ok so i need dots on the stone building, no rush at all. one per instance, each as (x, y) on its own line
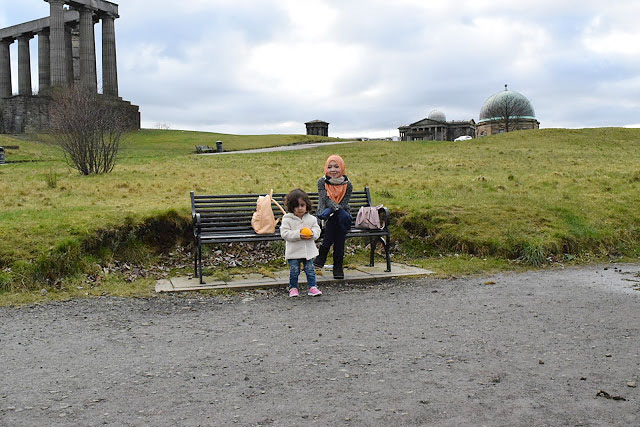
(436, 128)
(504, 104)
(317, 127)
(66, 57)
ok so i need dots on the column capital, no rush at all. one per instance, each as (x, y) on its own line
(85, 8)
(43, 32)
(56, 2)
(7, 40)
(25, 36)
(107, 15)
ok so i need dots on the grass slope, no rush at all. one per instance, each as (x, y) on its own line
(527, 195)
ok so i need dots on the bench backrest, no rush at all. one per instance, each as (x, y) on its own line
(233, 212)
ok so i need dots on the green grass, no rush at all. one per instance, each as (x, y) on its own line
(527, 197)
(151, 143)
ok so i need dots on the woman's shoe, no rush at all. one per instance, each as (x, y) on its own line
(338, 272)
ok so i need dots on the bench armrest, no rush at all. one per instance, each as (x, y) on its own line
(385, 216)
(196, 224)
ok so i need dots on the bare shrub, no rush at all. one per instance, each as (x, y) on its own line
(89, 128)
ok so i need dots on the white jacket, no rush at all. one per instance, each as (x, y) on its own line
(296, 247)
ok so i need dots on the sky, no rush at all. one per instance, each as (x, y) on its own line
(365, 66)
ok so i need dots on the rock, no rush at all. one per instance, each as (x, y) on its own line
(632, 384)
(43, 292)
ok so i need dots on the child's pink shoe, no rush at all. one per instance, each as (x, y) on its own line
(293, 292)
(314, 291)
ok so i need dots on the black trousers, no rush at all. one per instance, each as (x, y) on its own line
(333, 235)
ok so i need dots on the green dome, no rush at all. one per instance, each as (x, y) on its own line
(495, 100)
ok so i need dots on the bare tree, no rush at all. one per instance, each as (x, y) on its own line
(509, 108)
(89, 128)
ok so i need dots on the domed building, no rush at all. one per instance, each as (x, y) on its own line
(506, 111)
(435, 127)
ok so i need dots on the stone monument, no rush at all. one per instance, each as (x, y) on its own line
(58, 66)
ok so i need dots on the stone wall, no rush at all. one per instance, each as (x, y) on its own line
(497, 126)
(27, 114)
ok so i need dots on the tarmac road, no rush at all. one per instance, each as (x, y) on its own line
(532, 349)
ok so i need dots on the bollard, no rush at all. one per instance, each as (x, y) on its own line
(2, 158)
(219, 146)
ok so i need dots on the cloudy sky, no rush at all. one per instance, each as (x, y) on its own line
(366, 66)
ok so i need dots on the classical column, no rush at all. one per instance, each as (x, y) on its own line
(88, 75)
(68, 54)
(44, 61)
(24, 65)
(109, 65)
(5, 68)
(57, 45)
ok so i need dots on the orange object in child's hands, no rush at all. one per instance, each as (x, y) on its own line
(306, 232)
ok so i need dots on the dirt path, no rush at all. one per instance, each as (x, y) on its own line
(529, 349)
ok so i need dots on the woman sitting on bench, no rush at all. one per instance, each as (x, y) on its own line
(334, 193)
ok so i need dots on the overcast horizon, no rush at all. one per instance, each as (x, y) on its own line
(366, 67)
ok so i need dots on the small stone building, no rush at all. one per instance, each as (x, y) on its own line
(436, 128)
(317, 127)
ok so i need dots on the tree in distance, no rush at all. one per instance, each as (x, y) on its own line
(89, 129)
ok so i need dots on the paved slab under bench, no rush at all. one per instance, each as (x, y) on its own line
(281, 278)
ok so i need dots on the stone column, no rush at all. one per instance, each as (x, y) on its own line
(88, 75)
(109, 65)
(57, 46)
(5, 68)
(68, 54)
(24, 65)
(44, 61)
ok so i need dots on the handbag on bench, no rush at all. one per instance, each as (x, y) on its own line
(263, 221)
(369, 218)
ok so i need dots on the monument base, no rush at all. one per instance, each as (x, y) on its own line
(30, 114)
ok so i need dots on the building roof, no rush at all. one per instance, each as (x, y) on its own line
(316, 122)
(506, 96)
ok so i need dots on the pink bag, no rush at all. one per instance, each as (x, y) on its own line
(369, 218)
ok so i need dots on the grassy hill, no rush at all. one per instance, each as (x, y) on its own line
(532, 196)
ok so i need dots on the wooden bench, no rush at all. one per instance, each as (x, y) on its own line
(226, 218)
(204, 149)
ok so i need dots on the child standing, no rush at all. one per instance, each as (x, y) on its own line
(334, 193)
(300, 246)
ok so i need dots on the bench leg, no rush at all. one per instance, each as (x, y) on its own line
(195, 259)
(200, 264)
(387, 252)
(373, 242)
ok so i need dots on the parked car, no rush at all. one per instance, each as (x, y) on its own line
(463, 138)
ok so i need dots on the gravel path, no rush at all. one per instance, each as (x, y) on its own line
(530, 349)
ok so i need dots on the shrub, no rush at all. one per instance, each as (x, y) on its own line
(89, 128)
